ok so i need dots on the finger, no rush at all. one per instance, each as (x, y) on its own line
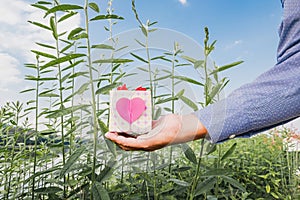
(154, 123)
(129, 143)
(126, 148)
(111, 135)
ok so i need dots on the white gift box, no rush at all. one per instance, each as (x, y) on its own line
(130, 111)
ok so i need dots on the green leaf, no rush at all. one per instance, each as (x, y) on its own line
(179, 182)
(33, 78)
(72, 159)
(229, 151)
(216, 172)
(43, 54)
(274, 195)
(216, 89)
(152, 30)
(48, 190)
(101, 17)
(144, 30)
(37, 174)
(157, 113)
(83, 88)
(74, 32)
(103, 127)
(189, 153)
(192, 60)
(73, 65)
(28, 65)
(115, 60)
(62, 60)
(111, 146)
(180, 93)
(162, 58)
(189, 102)
(107, 88)
(115, 67)
(234, 183)
(198, 63)
(80, 36)
(140, 43)
(63, 7)
(102, 46)
(190, 80)
(94, 7)
(28, 90)
(210, 148)
(47, 132)
(162, 78)
(268, 188)
(106, 172)
(205, 186)
(40, 7)
(45, 45)
(53, 27)
(78, 74)
(67, 16)
(99, 193)
(142, 69)
(121, 48)
(44, 2)
(139, 58)
(48, 95)
(40, 25)
(28, 109)
(224, 67)
(64, 111)
(65, 77)
(160, 101)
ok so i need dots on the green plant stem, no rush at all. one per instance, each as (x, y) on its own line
(111, 77)
(112, 40)
(36, 127)
(61, 103)
(16, 135)
(154, 177)
(197, 175)
(218, 167)
(206, 95)
(150, 72)
(95, 122)
(172, 103)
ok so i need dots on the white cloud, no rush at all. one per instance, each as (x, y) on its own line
(9, 72)
(12, 11)
(18, 37)
(234, 44)
(183, 2)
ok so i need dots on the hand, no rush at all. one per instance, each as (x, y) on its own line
(168, 130)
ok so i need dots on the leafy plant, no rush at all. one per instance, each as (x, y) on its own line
(63, 154)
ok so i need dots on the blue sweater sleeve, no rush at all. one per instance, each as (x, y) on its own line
(270, 100)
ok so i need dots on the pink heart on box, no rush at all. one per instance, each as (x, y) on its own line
(130, 109)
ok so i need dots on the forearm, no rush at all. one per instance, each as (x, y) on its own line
(272, 99)
(190, 129)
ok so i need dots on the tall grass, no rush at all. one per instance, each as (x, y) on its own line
(63, 154)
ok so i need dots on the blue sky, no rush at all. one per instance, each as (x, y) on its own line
(245, 30)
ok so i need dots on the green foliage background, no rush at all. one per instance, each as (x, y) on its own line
(61, 153)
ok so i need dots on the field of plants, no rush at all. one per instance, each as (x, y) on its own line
(53, 145)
